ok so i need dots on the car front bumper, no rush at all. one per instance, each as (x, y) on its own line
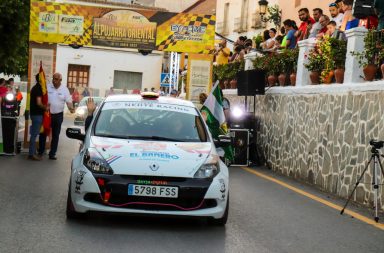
(197, 197)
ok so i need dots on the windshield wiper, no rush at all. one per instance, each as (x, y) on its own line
(111, 136)
(159, 138)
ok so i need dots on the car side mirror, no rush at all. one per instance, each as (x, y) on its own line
(223, 141)
(75, 133)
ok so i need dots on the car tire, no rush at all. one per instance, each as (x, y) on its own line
(70, 211)
(223, 220)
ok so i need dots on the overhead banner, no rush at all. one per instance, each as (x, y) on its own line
(86, 25)
(124, 28)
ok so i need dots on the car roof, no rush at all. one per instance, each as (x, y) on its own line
(98, 98)
(138, 98)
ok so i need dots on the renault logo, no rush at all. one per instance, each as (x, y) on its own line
(154, 166)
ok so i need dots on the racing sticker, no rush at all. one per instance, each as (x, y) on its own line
(154, 156)
(111, 158)
(222, 188)
(195, 148)
(150, 105)
(150, 146)
(79, 180)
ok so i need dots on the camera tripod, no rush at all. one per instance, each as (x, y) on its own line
(375, 179)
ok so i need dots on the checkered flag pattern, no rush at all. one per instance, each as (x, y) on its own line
(165, 41)
(67, 9)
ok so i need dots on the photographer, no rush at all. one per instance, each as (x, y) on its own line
(222, 53)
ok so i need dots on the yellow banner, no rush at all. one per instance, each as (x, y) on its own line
(116, 27)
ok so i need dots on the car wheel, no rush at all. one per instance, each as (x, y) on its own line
(223, 220)
(71, 212)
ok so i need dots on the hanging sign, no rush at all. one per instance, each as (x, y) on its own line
(85, 25)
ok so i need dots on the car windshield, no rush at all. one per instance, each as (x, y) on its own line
(150, 121)
(97, 101)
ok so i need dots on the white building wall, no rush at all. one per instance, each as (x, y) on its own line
(235, 11)
(104, 62)
(175, 5)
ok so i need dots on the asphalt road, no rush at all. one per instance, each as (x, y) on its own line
(264, 217)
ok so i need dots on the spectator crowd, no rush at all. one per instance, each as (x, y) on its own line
(318, 25)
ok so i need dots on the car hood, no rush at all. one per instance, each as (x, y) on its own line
(152, 158)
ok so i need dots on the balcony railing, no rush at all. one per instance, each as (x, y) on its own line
(241, 25)
(222, 28)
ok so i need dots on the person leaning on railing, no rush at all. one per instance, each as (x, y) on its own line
(291, 39)
(379, 7)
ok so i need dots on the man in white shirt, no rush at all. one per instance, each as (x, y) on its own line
(58, 96)
(316, 27)
(335, 14)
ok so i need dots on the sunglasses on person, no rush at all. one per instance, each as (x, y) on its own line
(333, 5)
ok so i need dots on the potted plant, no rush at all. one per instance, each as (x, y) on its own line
(291, 64)
(325, 49)
(369, 58)
(258, 39)
(339, 51)
(381, 56)
(282, 62)
(315, 64)
(272, 68)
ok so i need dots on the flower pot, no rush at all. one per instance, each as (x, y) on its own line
(233, 83)
(382, 71)
(328, 77)
(271, 80)
(339, 75)
(315, 77)
(222, 84)
(370, 72)
(282, 78)
(226, 84)
(292, 79)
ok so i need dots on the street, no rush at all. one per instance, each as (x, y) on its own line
(264, 217)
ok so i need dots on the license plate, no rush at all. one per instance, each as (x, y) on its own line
(153, 191)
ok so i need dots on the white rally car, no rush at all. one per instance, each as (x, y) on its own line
(145, 154)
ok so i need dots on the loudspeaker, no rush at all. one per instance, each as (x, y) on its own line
(363, 8)
(240, 145)
(251, 82)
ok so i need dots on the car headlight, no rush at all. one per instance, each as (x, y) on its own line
(96, 163)
(209, 170)
(10, 97)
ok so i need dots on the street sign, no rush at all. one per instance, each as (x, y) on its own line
(165, 80)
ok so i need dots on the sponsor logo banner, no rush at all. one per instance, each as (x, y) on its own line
(116, 32)
(69, 24)
(85, 25)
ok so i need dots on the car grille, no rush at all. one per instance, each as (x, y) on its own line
(190, 195)
(145, 203)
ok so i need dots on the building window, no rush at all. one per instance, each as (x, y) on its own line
(244, 16)
(78, 76)
(127, 79)
(225, 23)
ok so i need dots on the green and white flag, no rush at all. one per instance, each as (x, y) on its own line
(213, 107)
(215, 118)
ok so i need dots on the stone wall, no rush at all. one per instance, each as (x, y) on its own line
(322, 136)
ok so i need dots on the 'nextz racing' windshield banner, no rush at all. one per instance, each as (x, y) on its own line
(120, 27)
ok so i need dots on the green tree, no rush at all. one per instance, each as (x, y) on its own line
(14, 30)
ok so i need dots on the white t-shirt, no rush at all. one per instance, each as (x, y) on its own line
(58, 97)
(338, 19)
(315, 30)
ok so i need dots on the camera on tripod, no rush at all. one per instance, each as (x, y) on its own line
(376, 144)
